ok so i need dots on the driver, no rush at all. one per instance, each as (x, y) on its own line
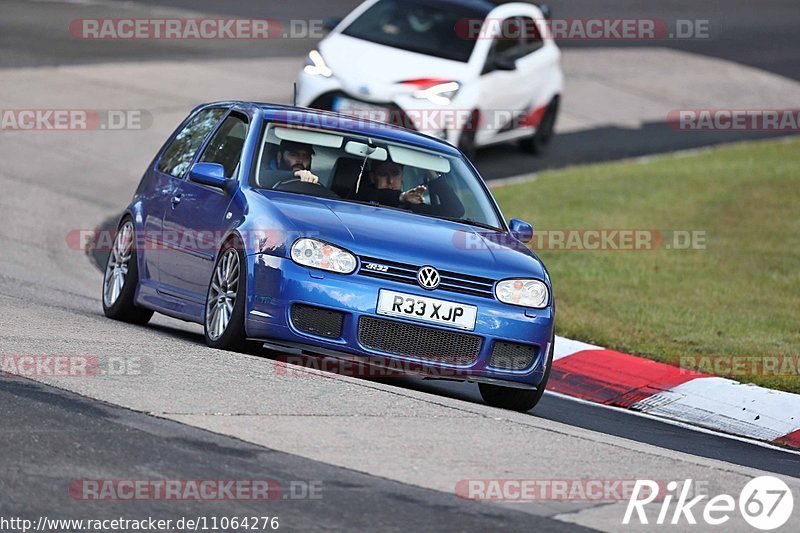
(296, 157)
(410, 20)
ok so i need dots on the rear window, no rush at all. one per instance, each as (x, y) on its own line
(417, 27)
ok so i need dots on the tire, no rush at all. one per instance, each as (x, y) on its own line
(223, 320)
(121, 278)
(540, 140)
(517, 399)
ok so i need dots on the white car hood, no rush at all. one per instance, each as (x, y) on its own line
(371, 71)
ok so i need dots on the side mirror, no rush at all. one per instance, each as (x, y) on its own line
(211, 174)
(521, 229)
(500, 63)
(329, 23)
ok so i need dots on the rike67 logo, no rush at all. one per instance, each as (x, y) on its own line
(765, 503)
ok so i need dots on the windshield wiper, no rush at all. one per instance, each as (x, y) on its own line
(468, 221)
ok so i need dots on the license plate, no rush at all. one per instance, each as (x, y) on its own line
(425, 309)
(360, 109)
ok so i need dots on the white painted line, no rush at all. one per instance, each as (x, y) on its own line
(714, 403)
(566, 347)
(728, 406)
(676, 423)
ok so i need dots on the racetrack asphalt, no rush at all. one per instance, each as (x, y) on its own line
(761, 35)
(74, 438)
(401, 446)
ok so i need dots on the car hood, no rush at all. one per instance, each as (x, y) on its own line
(401, 236)
(372, 71)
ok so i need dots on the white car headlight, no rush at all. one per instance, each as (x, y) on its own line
(523, 292)
(318, 254)
(316, 66)
(440, 94)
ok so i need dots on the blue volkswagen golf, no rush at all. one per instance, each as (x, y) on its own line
(317, 233)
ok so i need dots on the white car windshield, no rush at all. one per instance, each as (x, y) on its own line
(430, 29)
(355, 168)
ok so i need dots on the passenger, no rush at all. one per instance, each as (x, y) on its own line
(387, 189)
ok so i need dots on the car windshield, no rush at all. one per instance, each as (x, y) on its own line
(417, 27)
(394, 175)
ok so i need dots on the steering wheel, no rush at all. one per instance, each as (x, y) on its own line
(304, 187)
(281, 177)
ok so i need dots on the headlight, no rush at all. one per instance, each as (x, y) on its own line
(317, 254)
(524, 292)
(315, 65)
(440, 94)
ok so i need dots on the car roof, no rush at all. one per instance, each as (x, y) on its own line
(334, 121)
(479, 6)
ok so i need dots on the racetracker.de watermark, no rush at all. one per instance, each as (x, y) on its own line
(532, 490)
(210, 240)
(75, 119)
(734, 119)
(194, 489)
(573, 239)
(426, 119)
(582, 29)
(304, 366)
(158, 29)
(597, 240)
(73, 366)
(742, 365)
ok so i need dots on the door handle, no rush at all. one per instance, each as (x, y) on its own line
(176, 200)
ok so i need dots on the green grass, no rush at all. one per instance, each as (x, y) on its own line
(738, 296)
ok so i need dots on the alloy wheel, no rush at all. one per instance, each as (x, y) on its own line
(222, 294)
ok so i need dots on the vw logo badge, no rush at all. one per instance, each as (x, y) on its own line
(428, 277)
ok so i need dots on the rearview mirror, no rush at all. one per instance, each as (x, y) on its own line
(211, 174)
(365, 151)
(521, 230)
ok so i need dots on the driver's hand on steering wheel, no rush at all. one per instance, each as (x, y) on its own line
(306, 175)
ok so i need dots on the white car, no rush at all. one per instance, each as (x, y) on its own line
(473, 72)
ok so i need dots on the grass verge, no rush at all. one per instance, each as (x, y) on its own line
(738, 295)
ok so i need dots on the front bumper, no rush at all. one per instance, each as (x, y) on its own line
(445, 122)
(275, 284)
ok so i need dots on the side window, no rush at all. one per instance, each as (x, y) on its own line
(507, 45)
(531, 36)
(225, 147)
(180, 153)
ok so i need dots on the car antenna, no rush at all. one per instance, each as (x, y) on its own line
(370, 148)
(294, 94)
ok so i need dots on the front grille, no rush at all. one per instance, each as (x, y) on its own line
(317, 321)
(406, 273)
(512, 356)
(408, 340)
